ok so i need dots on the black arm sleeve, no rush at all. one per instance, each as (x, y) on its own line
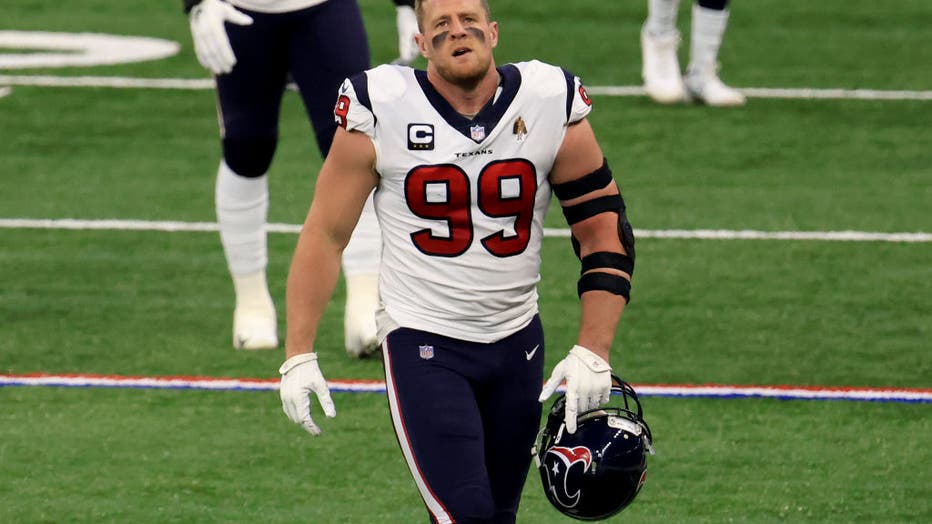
(404, 2)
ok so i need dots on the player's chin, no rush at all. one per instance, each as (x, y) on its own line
(467, 71)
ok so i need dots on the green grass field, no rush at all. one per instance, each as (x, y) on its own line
(748, 312)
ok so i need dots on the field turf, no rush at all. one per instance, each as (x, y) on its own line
(812, 313)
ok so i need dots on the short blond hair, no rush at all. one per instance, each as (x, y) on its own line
(419, 12)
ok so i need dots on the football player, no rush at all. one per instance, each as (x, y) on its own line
(660, 41)
(465, 157)
(253, 47)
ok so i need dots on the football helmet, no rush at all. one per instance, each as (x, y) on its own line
(598, 471)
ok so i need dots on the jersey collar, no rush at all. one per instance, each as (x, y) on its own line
(488, 117)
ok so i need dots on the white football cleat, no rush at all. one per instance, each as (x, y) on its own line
(255, 329)
(708, 89)
(254, 322)
(359, 330)
(661, 67)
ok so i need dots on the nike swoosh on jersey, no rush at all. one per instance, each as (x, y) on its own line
(530, 354)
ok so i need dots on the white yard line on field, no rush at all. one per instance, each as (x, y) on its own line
(768, 92)
(106, 81)
(696, 234)
(208, 83)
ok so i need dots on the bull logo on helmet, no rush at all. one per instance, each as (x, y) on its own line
(560, 462)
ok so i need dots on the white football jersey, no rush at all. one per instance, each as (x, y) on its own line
(461, 202)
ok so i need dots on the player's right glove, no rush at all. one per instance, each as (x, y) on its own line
(300, 376)
(588, 383)
(211, 42)
(407, 28)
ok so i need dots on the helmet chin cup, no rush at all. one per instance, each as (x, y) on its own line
(599, 470)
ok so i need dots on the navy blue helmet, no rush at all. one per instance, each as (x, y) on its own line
(599, 470)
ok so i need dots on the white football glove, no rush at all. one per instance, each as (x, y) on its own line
(211, 42)
(300, 376)
(588, 383)
(407, 28)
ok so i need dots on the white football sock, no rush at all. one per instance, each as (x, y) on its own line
(707, 30)
(661, 16)
(242, 209)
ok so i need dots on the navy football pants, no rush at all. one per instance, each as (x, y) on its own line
(319, 46)
(466, 415)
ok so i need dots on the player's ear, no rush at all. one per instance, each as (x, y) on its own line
(421, 42)
(493, 33)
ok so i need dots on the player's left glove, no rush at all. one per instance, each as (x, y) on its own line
(300, 376)
(211, 42)
(407, 28)
(588, 383)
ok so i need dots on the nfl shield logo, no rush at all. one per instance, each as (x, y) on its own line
(427, 352)
(477, 133)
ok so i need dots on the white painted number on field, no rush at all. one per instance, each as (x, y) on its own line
(79, 49)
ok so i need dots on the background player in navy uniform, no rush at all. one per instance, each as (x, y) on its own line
(660, 41)
(465, 157)
(253, 47)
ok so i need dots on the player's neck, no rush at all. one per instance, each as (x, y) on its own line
(467, 100)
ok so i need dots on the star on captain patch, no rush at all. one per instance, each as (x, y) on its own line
(519, 130)
(477, 133)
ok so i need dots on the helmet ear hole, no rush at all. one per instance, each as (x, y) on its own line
(599, 470)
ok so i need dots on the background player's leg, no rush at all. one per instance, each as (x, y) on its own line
(709, 21)
(660, 42)
(248, 101)
(331, 47)
(327, 44)
(361, 270)
(242, 205)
